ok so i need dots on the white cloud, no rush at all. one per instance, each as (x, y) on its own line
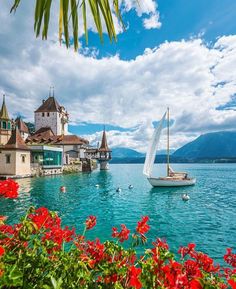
(152, 22)
(148, 8)
(188, 76)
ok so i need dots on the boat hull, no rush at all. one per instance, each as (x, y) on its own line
(161, 182)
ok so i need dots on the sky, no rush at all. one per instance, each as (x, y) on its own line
(173, 53)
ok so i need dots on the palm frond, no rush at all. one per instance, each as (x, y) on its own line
(15, 5)
(101, 12)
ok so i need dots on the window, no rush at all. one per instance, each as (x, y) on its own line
(48, 113)
(23, 158)
(4, 125)
(8, 159)
(9, 125)
(42, 114)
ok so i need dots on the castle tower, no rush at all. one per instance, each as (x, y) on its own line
(5, 124)
(15, 156)
(104, 153)
(51, 114)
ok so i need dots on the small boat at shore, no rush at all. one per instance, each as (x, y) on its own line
(172, 179)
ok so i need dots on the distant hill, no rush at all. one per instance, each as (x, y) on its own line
(121, 152)
(125, 153)
(211, 145)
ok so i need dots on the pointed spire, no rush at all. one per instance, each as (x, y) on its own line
(16, 141)
(104, 146)
(21, 125)
(3, 113)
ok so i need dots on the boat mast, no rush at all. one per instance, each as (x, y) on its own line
(168, 140)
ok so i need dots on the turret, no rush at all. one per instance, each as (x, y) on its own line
(5, 124)
(104, 153)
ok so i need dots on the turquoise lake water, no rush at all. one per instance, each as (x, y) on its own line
(208, 218)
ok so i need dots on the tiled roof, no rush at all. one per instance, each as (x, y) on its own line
(3, 113)
(45, 132)
(16, 142)
(21, 125)
(72, 139)
(45, 135)
(49, 105)
(104, 146)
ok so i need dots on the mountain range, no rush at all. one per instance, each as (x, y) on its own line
(210, 147)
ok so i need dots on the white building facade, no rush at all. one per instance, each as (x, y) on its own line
(51, 114)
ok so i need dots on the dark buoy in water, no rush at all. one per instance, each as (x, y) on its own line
(63, 189)
(131, 187)
(118, 190)
(185, 197)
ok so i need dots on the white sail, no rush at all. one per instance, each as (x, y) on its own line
(151, 153)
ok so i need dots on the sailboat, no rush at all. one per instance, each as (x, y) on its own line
(172, 179)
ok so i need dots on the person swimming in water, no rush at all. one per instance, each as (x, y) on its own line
(63, 189)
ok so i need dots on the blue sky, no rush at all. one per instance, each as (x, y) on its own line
(181, 19)
(175, 53)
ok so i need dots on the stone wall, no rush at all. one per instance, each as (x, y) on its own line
(47, 121)
(38, 171)
(73, 168)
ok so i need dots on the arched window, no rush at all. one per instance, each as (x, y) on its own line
(9, 125)
(4, 125)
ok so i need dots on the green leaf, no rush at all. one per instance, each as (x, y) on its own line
(16, 276)
(85, 21)
(15, 5)
(60, 20)
(46, 18)
(101, 10)
(56, 284)
(74, 14)
(65, 6)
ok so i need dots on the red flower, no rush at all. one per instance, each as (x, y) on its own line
(142, 226)
(7, 229)
(122, 235)
(230, 258)
(58, 236)
(190, 249)
(9, 189)
(2, 251)
(133, 275)
(43, 219)
(195, 284)
(205, 262)
(3, 219)
(90, 222)
(232, 283)
(192, 269)
(161, 244)
(95, 249)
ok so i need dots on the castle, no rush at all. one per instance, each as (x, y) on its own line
(50, 149)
